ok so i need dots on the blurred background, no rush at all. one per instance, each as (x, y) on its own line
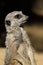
(34, 26)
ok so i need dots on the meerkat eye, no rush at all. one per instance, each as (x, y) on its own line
(8, 22)
(18, 16)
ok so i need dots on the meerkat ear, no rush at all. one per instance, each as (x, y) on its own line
(8, 22)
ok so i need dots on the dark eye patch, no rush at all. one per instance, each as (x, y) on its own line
(8, 22)
(18, 16)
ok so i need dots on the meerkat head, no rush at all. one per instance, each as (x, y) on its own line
(15, 18)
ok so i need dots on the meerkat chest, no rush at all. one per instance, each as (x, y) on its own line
(23, 52)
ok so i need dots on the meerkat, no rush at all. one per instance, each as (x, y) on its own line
(18, 46)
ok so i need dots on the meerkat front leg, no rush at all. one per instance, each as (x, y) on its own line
(30, 49)
(7, 57)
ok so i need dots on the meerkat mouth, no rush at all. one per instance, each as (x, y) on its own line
(22, 25)
(24, 21)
